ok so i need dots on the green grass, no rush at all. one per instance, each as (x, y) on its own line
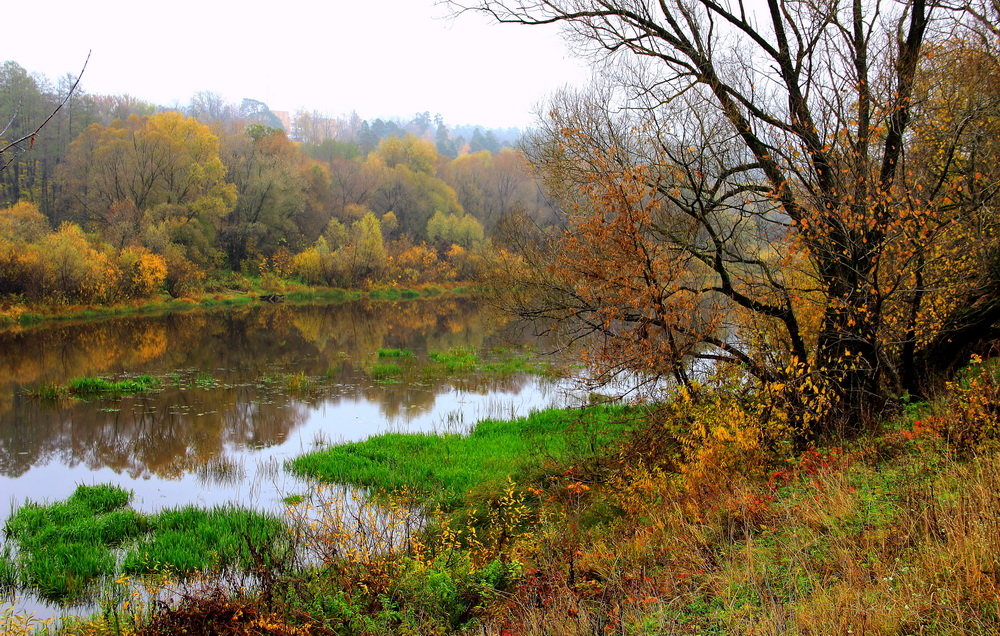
(382, 371)
(191, 539)
(454, 361)
(92, 388)
(394, 353)
(64, 548)
(444, 467)
(101, 498)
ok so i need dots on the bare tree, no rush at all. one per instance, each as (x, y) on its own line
(767, 184)
(10, 149)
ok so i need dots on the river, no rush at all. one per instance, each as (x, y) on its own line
(240, 391)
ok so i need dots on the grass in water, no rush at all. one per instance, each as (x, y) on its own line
(454, 361)
(65, 547)
(444, 467)
(98, 387)
(394, 353)
(92, 388)
(192, 539)
(385, 371)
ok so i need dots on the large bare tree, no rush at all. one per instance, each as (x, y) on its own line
(790, 186)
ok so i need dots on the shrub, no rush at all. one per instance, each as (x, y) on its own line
(142, 273)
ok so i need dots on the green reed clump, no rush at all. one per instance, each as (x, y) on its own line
(394, 353)
(65, 547)
(381, 371)
(444, 467)
(100, 498)
(91, 388)
(100, 387)
(191, 539)
(8, 571)
(455, 360)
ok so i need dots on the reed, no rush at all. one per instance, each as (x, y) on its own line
(443, 467)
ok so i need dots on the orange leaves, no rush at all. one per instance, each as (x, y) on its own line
(141, 272)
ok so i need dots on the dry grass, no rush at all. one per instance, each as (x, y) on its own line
(838, 543)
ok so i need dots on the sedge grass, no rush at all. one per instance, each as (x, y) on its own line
(454, 361)
(64, 548)
(384, 371)
(444, 467)
(191, 539)
(87, 388)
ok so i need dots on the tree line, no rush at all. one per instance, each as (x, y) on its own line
(138, 198)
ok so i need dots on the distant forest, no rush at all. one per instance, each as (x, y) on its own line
(119, 198)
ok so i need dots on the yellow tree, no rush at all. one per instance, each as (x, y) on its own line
(165, 167)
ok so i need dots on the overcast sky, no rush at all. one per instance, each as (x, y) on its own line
(378, 57)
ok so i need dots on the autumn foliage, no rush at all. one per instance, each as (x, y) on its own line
(817, 212)
(153, 202)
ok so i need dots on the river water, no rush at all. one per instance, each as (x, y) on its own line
(240, 392)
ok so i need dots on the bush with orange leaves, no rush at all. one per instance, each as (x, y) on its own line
(967, 417)
(142, 273)
(419, 264)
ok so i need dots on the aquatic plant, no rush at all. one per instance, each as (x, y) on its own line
(65, 547)
(444, 467)
(394, 353)
(382, 371)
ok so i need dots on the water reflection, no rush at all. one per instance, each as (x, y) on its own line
(225, 409)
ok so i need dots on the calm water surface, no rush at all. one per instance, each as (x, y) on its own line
(232, 406)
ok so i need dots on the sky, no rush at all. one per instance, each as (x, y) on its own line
(380, 58)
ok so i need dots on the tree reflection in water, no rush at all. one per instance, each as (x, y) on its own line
(222, 410)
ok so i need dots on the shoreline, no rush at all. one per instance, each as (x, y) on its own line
(23, 316)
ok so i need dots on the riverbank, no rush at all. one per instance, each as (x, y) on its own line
(892, 532)
(248, 292)
(619, 520)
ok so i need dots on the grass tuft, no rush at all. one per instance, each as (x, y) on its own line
(394, 353)
(65, 548)
(444, 467)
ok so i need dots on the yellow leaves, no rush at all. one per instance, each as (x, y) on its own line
(417, 154)
(141, 272)
(150, 161)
